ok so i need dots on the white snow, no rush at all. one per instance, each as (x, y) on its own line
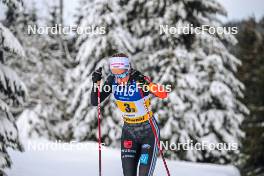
(9, 41)
(82, 160)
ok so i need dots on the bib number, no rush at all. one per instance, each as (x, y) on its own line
(128, 107)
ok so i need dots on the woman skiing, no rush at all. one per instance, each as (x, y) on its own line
(128, 86)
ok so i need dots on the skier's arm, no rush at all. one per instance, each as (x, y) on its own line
(156, 89)
(105, 92)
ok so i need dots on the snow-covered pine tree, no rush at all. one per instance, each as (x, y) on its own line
(250, 49)
(52, 121)
(85, 116)
(43, 70)
(204, 103)
(12, 94)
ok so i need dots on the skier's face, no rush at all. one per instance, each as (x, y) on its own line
(119, 73)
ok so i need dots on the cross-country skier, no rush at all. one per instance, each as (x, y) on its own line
(138, 143)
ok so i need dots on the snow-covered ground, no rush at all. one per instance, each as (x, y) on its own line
(54, 159)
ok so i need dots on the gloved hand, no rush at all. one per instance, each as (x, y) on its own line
(97, 75)
(138, 76)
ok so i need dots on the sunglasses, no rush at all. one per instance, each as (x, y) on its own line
(122, 75)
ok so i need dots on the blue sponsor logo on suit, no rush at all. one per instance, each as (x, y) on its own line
(144, 158)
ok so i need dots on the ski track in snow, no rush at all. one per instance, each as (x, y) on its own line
(82, 162)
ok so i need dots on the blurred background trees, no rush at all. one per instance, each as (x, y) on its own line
(213, 76)
(44, 71)
(250, 49)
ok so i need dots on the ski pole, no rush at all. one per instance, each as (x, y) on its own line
(99, 129)
(155, 133)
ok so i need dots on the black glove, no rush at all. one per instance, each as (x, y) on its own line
(139, 77)
(97, 75)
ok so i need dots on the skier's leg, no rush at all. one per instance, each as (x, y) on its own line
(149, 153)
(130, 152)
